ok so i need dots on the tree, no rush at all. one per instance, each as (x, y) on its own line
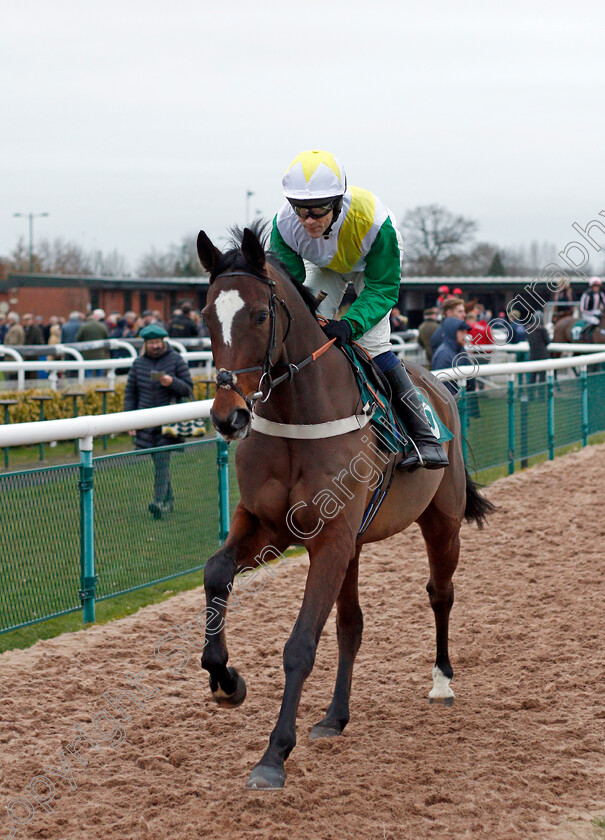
(479, 259)
(63, 257)
(178, 261)
(189, 263)
(496, 268)
(434, 240)
(112, 264)
(18, 260)
(155, 264)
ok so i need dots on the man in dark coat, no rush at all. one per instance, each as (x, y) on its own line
(182, 325)
(518, 330)
(539, 340)
(33, 335)
(159, 377)
(94, 329)
(450, 351)
(452, 308)
(426, 330)
(70, 328)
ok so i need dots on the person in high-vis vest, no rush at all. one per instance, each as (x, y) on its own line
(329, 234)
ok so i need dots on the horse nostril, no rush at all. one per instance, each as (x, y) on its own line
(239, 418)
(234, 422)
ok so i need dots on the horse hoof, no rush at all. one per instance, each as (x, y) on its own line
(264, 777)
(234, 699)
(441, 691)
(443, 701)
(322, 731)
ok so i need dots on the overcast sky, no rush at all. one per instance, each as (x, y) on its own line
(135, 123)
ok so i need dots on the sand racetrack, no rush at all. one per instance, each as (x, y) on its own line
(519, 755)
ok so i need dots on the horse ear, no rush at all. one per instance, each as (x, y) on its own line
(252, 250)
(207, 252)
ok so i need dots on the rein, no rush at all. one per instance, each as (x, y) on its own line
(228, 378)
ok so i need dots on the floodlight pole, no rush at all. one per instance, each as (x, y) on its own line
(31, 217)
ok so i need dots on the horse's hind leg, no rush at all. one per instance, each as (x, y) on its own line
(349, 626)
(442, 536)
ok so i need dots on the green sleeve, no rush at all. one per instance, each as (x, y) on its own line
(382, 280)
(293, 262)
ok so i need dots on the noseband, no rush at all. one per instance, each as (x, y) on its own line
(228, 378)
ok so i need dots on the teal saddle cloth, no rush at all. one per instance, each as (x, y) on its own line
(578, 329)
(386, 423)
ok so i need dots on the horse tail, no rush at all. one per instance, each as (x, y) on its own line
(477, 507)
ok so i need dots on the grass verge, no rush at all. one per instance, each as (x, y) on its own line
(65, 452)
(108, 610)
(485, 477)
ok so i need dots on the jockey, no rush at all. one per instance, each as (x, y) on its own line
(328, 235)
(592, 303)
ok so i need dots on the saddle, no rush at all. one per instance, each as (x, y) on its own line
(375, 393)
(581, 329)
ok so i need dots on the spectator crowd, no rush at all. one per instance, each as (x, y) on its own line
(30, 329)
(447, 329)
(451, 326)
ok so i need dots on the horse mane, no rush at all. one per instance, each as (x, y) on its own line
(233, 259)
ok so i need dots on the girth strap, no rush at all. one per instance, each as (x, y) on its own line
(310, 431)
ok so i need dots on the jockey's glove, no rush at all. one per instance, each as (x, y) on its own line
(340, 330)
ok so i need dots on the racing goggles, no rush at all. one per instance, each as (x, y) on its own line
(318, 211)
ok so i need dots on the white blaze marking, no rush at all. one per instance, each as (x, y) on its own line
(227, 305)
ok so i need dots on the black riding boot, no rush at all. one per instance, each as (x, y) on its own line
(407, 404)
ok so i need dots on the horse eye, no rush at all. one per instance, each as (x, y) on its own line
(261, 317)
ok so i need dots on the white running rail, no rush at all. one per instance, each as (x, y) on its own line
(87, 427)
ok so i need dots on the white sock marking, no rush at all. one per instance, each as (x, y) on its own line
(441, 686)
(220, 694)
(227, 305)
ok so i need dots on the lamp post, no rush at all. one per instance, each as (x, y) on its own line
(249, 194)
(31, 217)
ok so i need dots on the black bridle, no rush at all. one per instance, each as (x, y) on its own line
(228, 378)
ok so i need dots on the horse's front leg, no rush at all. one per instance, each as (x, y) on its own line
(349, 627)
(243, 548)
(329, 556)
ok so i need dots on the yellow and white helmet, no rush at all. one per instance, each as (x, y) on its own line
(313, 176)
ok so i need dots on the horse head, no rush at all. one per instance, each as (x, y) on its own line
(247, 322)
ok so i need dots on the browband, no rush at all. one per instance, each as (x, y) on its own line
(265, 280)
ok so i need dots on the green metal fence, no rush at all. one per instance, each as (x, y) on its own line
(72, 535)
(508, 424)
(51, 560)
(144, 550)
(39, 545)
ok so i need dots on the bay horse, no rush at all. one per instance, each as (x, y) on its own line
(563, 333)
(563, 330)
(301, 481)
